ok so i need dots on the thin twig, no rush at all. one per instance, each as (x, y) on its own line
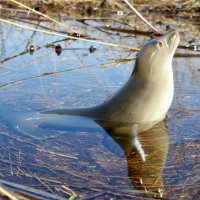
(57, 154)
(119, 61)
(42, 75)
(71, 37)
(34, 175)
(187, 55)
(47, 45)
(11, 169)
(28, 191)
(68, 191)
(140, 16)
(129, 31)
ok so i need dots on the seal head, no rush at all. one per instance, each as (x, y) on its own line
(157, 54)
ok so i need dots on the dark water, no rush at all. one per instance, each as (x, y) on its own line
(163, 162)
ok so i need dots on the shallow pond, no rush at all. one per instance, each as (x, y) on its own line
(90, 162)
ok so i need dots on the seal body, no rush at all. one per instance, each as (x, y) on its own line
(147, 95)
(141, 103)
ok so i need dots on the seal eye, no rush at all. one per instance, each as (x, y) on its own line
(159, 44)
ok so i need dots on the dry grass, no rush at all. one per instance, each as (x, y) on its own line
(106, 7)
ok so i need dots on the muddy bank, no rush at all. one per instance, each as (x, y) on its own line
(163, 15)
(107, 7)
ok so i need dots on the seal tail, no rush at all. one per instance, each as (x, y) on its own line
(42, 126)
(92, 112)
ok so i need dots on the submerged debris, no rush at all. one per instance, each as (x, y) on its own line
(32, 49)
(58, 49)
(92, 49)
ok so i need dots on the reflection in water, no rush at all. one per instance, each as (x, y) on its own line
(146, 152)
(146, 157)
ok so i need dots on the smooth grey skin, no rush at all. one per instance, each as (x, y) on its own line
(146, 97)
(141, 103)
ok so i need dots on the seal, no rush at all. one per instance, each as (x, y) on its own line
(146, 97)
(140, 104)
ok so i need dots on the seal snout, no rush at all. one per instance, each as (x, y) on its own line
(173, 36)
(171, 40)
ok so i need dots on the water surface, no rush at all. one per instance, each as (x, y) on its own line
(92, 163)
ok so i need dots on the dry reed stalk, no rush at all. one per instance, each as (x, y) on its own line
(68, 191)
(119, 61)
(70, 37)
(7, 194)
(26, 192)
(44, 75)
(51, 19)
(140, 16)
